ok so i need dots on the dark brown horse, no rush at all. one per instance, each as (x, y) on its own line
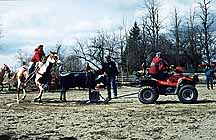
(4, 75)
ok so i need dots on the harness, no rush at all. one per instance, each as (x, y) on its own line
(25, 68)
(40, 73)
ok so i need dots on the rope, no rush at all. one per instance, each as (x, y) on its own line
(126, 95)
(32, 74)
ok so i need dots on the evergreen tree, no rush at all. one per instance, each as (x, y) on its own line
(132, 50)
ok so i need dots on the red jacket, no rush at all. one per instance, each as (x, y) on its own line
(37, 56)
(157, 65)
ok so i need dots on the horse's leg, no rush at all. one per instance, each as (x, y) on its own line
(18, 90)
(41, 92)
(89, 90)
(61, 93)
(24, 92)
(64, 95)
(41, 89)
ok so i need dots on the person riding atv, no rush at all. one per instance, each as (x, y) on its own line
(161, 83)
(173, 84)
(158, 67)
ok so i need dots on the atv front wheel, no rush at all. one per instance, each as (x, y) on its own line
(188, 94)
(148, 96)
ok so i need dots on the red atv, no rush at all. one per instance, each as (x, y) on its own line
(175, 84)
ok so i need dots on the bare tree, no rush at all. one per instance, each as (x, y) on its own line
(207, 21)
(83, 51)
(22, 56)
(191, 43)
(153, 23)
(72, 63)
(60, 50)
(176, 32)
(145, 43)
(100, 45)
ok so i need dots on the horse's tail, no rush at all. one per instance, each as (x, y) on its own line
(13, 78)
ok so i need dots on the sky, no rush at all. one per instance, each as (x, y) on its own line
(28, 23)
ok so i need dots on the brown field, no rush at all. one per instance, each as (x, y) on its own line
(124, 118)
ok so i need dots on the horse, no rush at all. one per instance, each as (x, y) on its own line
(80, 79)
(43, 74)
(20, 76)
(2, 72)
(4, 76)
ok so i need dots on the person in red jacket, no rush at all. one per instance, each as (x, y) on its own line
(157, 67)
(37, 58)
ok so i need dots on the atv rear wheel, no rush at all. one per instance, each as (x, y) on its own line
(148, 96)
(188, 94)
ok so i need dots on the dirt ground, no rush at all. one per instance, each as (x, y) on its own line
(124, 118)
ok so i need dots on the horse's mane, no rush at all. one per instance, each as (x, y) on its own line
(46, 57)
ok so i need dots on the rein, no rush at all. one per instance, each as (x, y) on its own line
(40, 74)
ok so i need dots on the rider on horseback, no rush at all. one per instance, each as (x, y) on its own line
(37, 59)
(36, 62)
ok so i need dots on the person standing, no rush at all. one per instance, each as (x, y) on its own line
(110, 70)
(209, 73)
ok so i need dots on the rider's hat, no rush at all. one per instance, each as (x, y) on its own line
(38, 47)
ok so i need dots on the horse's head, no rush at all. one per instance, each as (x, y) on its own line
(1, 71)
(53, 58)
(99, 76)
(4, 69)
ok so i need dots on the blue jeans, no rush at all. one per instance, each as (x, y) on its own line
(31, 67)
(111, 80)
(209, 80)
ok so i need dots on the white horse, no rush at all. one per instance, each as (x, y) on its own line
(20, 76)
(43, 73)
